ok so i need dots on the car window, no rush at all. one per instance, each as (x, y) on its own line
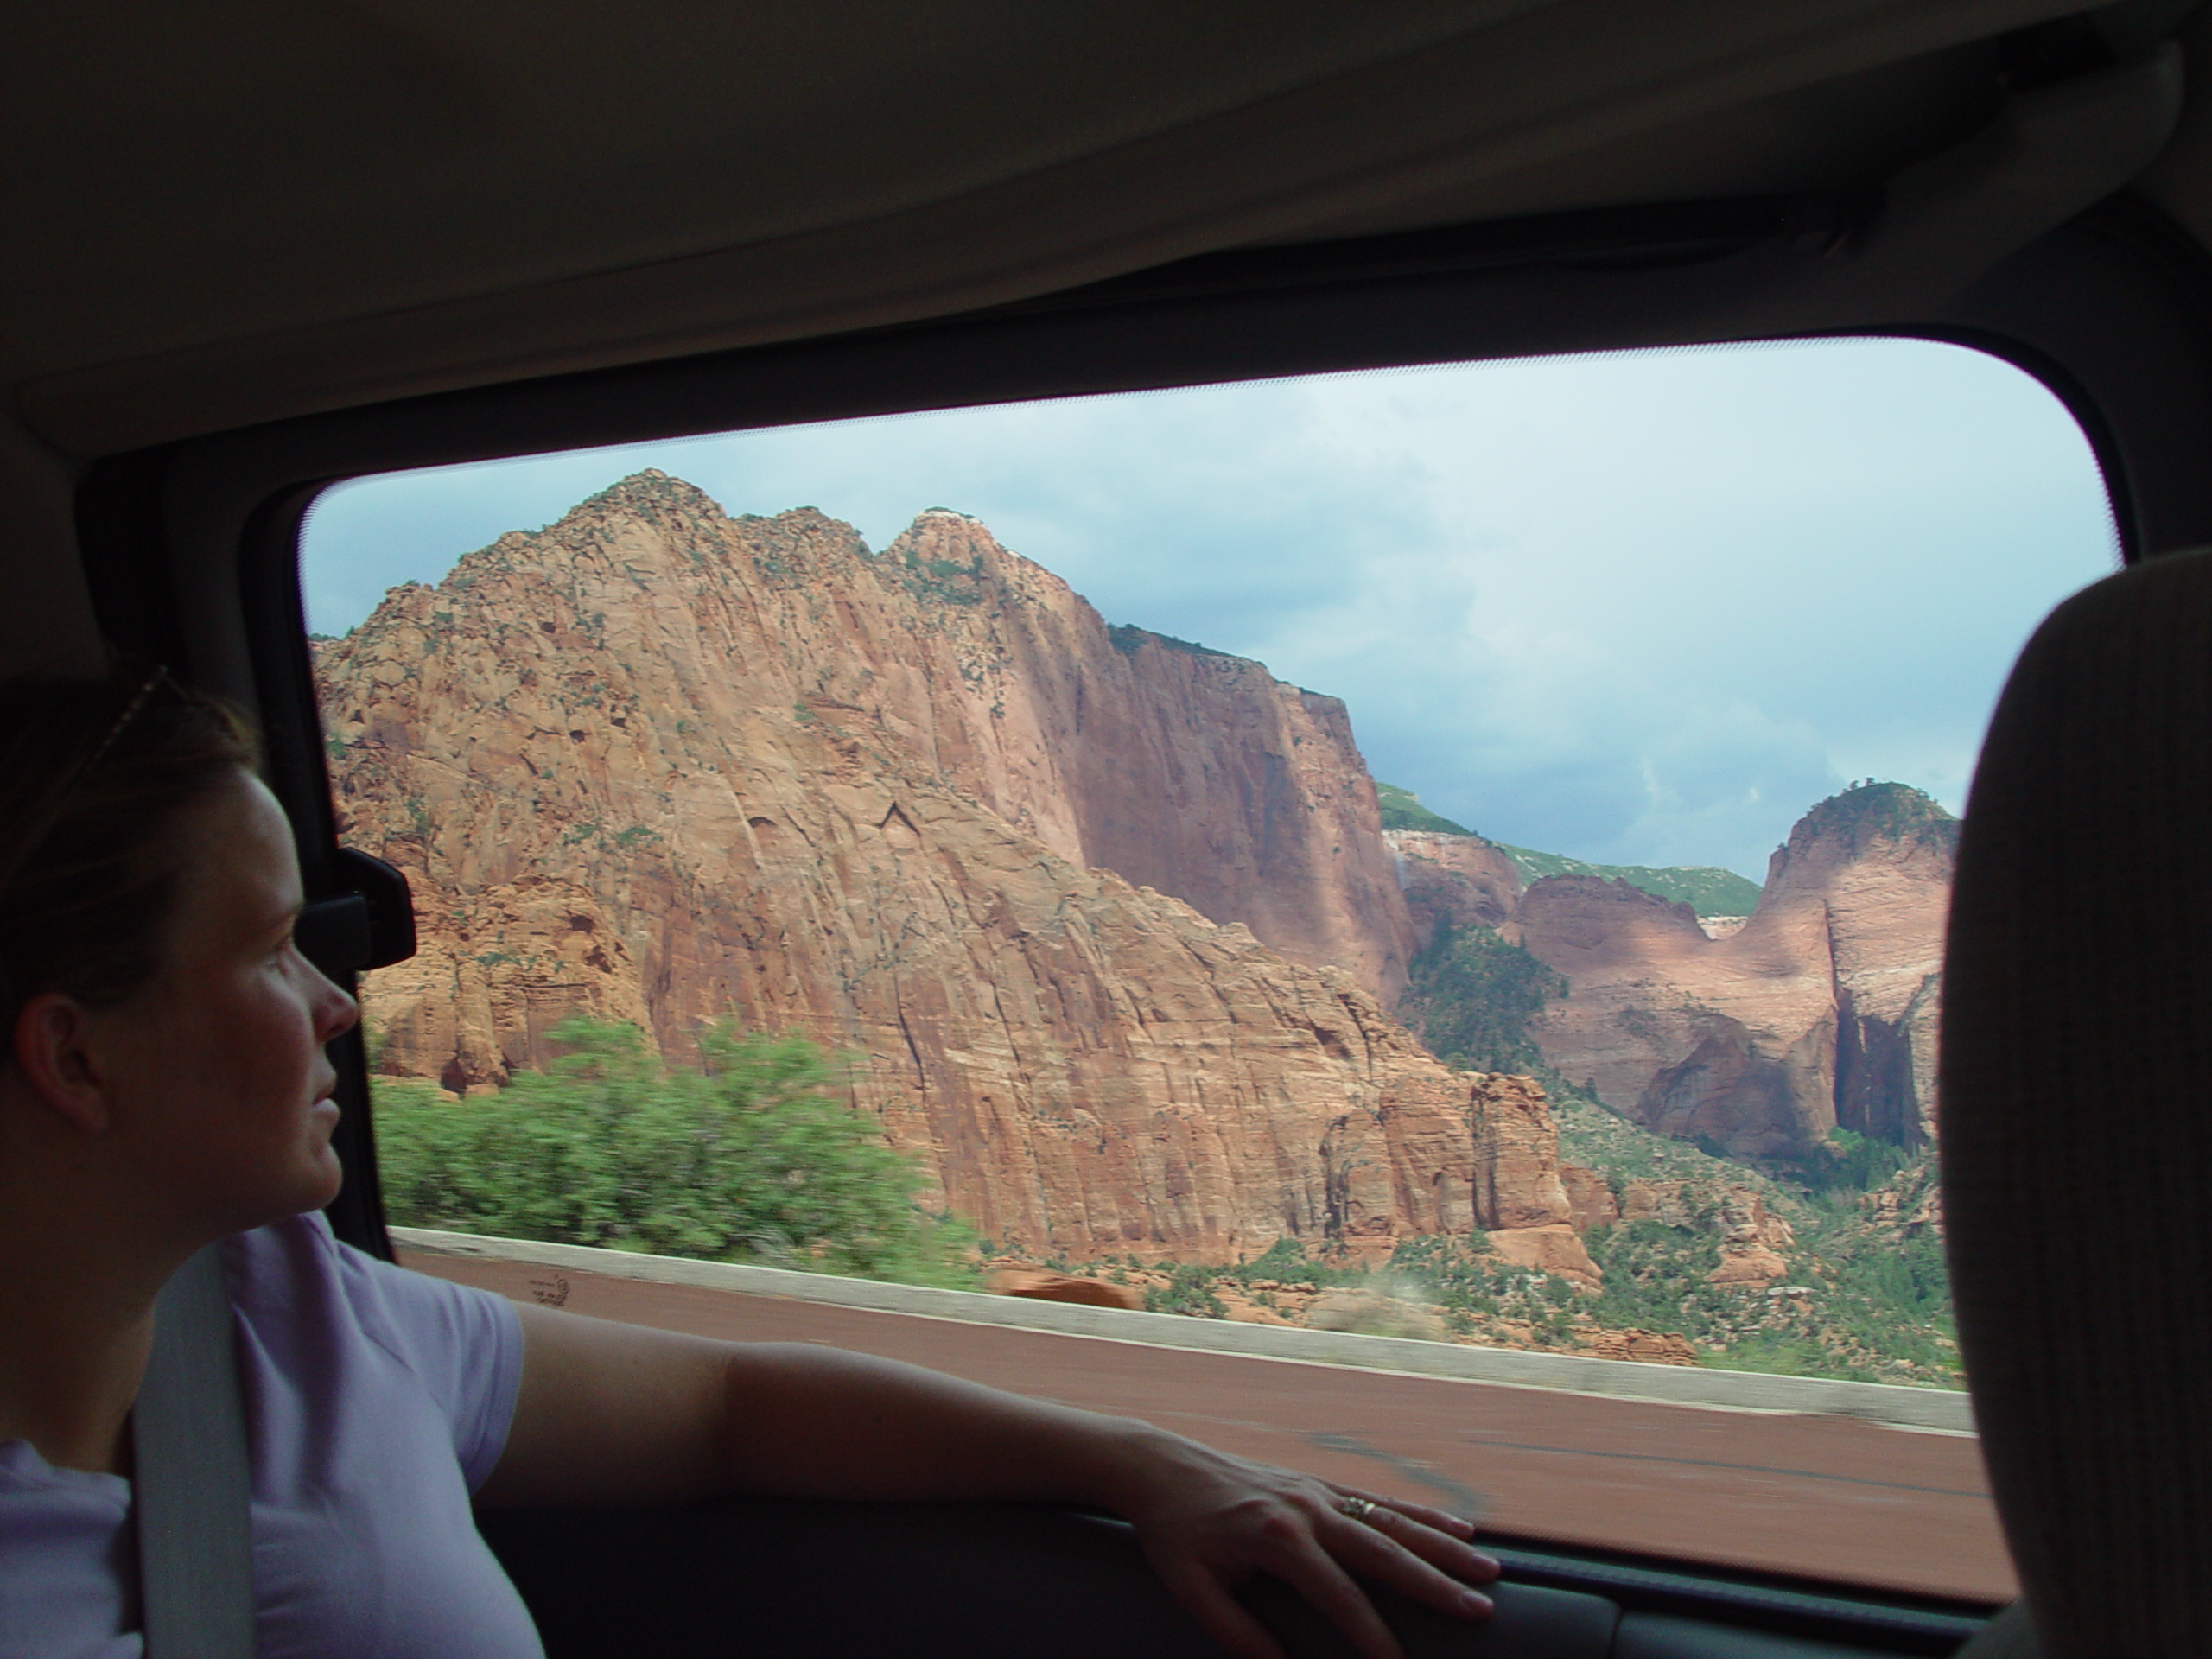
(1457, 855)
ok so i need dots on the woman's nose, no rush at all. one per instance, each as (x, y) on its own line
(338, 1011)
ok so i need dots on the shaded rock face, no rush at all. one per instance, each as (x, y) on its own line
(1555, 1249)
(1516, 1168)
(1590, 1199)
(1461, 879)
(1819, 1011)
(657, 764)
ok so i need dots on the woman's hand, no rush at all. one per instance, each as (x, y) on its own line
(1210, 1522)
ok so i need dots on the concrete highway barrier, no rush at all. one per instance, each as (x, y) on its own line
(1898, 1408)
(1933, 1410)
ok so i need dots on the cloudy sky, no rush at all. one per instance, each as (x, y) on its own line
(1638, 609)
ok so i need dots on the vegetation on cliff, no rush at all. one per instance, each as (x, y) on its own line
(1707, 890)
(1437, 1288)
(1869, 810)
(1402, 809)
(749, 1158)
(1129, 639)
(1867, 1297)
(1470, 997)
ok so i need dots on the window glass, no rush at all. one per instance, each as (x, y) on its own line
(1458, 855)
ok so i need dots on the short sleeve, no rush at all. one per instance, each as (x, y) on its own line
(463, 1344)
(377, 1402)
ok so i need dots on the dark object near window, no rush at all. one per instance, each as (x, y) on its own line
(370, 925)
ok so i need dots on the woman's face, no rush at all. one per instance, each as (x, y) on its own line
(222, 1091)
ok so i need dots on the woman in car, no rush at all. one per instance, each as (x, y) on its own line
(164, 1085)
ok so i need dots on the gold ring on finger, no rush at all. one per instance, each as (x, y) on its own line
(1358, 1508)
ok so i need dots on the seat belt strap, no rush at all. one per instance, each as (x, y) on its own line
(190, 1480)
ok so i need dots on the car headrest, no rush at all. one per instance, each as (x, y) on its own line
(2076, 1113)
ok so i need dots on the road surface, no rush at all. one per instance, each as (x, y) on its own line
(1824, 1497)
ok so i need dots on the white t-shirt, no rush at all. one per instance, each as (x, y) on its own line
(376, 1400)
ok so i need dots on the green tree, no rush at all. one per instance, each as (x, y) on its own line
(1851, 1163)
(1471, 996)
(747, 1158)
(1189, 1289)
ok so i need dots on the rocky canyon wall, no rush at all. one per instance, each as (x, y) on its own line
(1820, 1012)
(1462, 880)
(1104, 917)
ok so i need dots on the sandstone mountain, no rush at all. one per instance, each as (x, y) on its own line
(1108, 918)
(1818, 1013)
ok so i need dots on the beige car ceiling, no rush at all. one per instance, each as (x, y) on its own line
(238, 210)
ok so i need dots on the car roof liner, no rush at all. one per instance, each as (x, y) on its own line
(1221, 153)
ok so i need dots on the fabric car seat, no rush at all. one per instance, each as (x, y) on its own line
(2076, 1138)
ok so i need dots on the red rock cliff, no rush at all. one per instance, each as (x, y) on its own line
(664, 765)
(1820, 1012)
(1461, 879)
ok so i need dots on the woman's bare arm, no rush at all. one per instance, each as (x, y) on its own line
(618, 1414)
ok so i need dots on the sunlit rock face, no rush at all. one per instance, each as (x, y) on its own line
(1105, 920)
(1820, 1012)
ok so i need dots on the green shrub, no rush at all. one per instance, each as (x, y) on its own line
(1655, 1278)
(1288, 1261)
(1284, 1260)
(1868, 810)
(1851, 1163)
(1402, 809)
(746, 1159)
(1471, 996)
(1460, 1273)
(1789, 1356)
(1189, 1290)
(1129, 639)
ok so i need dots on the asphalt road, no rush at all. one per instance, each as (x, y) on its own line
(1824, 1497)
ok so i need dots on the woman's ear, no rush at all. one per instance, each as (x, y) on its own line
(55, 1056)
